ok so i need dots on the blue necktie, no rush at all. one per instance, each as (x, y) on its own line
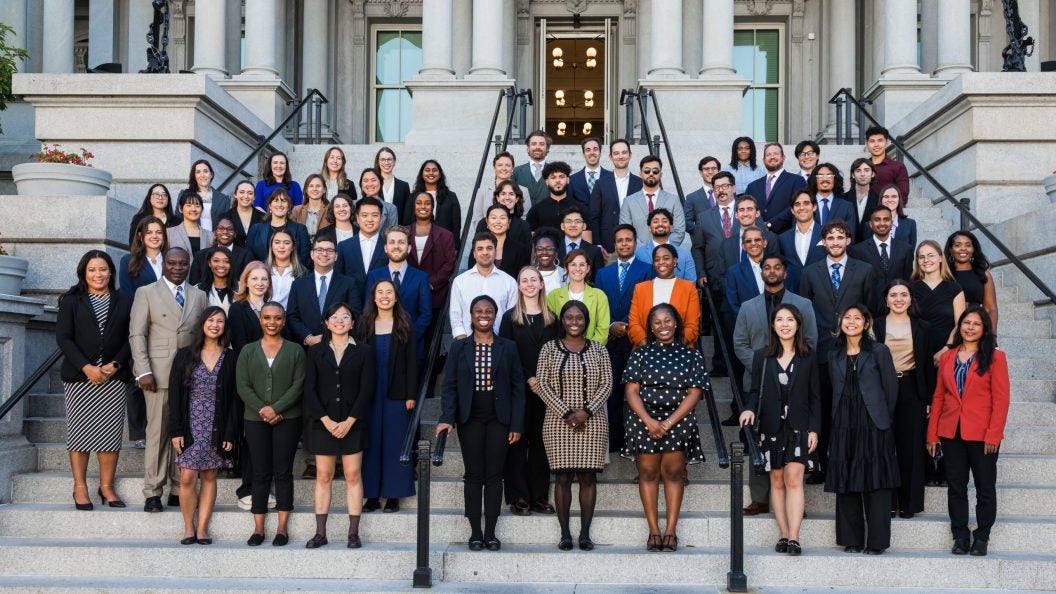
(396, 279)
(571, 245)
(322, 294)
(836, 276)
(623, 273)
(824, 211)
(591, 180)
(179, 296)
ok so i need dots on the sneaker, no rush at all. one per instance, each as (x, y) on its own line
(140, 444)
(245, 503)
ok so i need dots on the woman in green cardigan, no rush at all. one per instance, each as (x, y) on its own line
(270, 378)
(578, 267)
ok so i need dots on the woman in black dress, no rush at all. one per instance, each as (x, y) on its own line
(938, 296)
(665, 380)
(529, 324)
(92, 332)
(971, 270)
(788, 399)
(447, 212)
(338, 390)
(218, 283)
(484, 395)
(863, 466)
(909, 340)
(243, 214)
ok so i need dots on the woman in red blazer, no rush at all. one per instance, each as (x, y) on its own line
(968, 414)
(683, 296)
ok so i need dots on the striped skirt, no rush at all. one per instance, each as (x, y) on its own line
(95, 416)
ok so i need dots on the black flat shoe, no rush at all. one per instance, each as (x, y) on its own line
(852, 549)
(255, 540)
(280, 540)
(670, 543)
(794, 549)
(781, 546)
(653, 543)
(565, 544)
(111, 502)
(205, 541)
(585, 544)
(493, 544)
(476, 544)
(354, 542)
(317, 541)
(189, 540)
(906, 515)
(372, 505)
(960, 546)
(874, 551)
(978, 548)
(391, 506)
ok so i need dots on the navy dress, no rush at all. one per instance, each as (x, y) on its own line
(383, 475)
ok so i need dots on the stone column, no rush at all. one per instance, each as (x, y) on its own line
(315, 70)
(210, 38)
(955, 38)
(233, 32)
(488, 26)
(58, 36)
(900, 38)
(14, 14)
(436, 40)
(718, 38)
(261, 35)
(841, 54)
(462, 29)
(666, 42)
(101, 26)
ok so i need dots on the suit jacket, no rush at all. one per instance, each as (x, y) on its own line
(876, 379)
(158, 327)
(244, 324)
(77, 335)
(350, 259)
(842, 210)
(241, 233)
(447, 214)
(226, 415)
(906, 231)
(597, 305)
(777, 211)
(635, 211)
(507, 378)
(537, 190)
(899, 265)
(259, 240)
(707, 245)
(685, 269)
(240, 256)
(696, 203)
(594, 257)
(299, 214)
(981, 411)
(129, 284)
(578, 188)
(608, 281)
(178, 238)
(731, 248)
(605, 208)
(804, 398)
(856, 287)
(302, 308)
(752, 330)
(923, 348)
(793, 265)
(740, 285)
(684, 299)
(339, 390)
(416, 297)
(437, 260)
(861, 219)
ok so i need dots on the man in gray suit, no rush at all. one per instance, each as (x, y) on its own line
(752, 332)
(530, 174)
(636, 207)
(164, 317)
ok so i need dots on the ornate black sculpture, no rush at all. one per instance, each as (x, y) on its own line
(158, 39)
(1020, 44)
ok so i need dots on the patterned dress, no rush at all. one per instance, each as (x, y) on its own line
(664, 374)
(202, 453)
(570, 381)
(95, 415)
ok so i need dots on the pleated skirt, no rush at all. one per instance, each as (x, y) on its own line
(95, 416)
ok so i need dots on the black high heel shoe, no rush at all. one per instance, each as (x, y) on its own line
(111, 502)
(82, 506)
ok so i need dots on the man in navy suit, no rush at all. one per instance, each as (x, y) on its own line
(617, 281)
(412, 283)
(582, 182)
(364, 251)
(801, 245)
(701, 200)
(713, 227)
(573, 224)
(744, 279)
(609, 193)
(747, 213)
(827, 186)
(773, 191)
(312, 294)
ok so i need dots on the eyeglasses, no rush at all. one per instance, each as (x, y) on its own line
(161, 194)
(928, 256)
(722, 186)
(808, 154)
(386, 160)
(573, 221)
(340, 318)
(709, 168)
(326, 251)
(825, 175)
(651, 170)
(224, 229)
(752, 240)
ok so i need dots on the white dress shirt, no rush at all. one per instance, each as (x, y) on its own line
(280, 285)
(366, 247)
(803, 243)
(172, 288)
(329, 276)
(622, 183)
(155, 265)
(757, 271)
(471, 284)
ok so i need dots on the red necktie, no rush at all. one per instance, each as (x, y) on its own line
(650, 198)
(727, 225)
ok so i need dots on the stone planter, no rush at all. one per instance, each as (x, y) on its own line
(1050, 187)
(12, 272)
(60, 179)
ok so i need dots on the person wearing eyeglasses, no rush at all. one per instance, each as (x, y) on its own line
(312, 294)
(702, 199)
(807, 153)
(637, 207)
(826, 183)
(574, 225)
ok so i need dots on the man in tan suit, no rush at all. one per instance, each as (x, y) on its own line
(164, 316)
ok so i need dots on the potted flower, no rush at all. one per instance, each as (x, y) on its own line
(55, 172)
(12, 272)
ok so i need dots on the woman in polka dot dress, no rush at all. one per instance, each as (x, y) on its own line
(664, 379)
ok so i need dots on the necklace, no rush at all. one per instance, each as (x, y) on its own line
(854, 361)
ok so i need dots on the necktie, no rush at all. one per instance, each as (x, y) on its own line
(885, 259)
(824, 210)
(179, 296)
(650, 198)
(623, 273)
(836, 276)
(711, 198)
(322, 294)
(590, 180)
(769, 186)
(727, 224)
(537, 170)
(396, 279)
(571, 245)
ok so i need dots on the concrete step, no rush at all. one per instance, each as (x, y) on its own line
(1032, 414)
(54, 457)
(1043, 349)
(1029, 440)
(1014, 310)
(45, 404)
(1024, 329)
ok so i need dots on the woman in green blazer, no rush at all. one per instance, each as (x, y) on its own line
(578, 266)
(270, 379)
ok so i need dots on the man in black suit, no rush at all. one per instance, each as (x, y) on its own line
(607, 198)
(312, 294)
(573, 223)
(861, 198)
(773, 191)
(827, 186)
(890, 259)
(833, 285)
(582, 182)
(701, 200)
(714, 226)
(364, 251)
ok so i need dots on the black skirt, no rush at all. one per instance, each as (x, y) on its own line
(321, 443)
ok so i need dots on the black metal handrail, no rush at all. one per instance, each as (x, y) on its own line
(667, 145)
(966, 212)
(31, 380)
(265, 140)
(713, 416)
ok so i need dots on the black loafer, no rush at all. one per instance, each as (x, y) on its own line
(874, 551)
(543, 507)
(960, 546)
(476, 544)
(585, 544)
(565, 544)
(372, 505)
(317, 541)
(354, 542)
(391, 506)
(280, 540)
(255, 540)
(152, 505)
(794, 548)
(781, 546)
(493, 544)
(978, 548)
(521, 508)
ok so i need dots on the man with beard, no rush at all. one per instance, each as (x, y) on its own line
(752, 332)
(637, 207)
(660, 229)
(827, 186)
(549, 210)
(732, 249)
(714, 226)
(530, 174)
(701, 200)
(609, 195)
(412, 283)
(773, 191)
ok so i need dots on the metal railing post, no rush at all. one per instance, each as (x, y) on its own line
(736, 581)
(839, 120)
(423, 574)
(848, 121)
(967, 204)
(643, 106)
(861, 127)
(522, 124)
(318, 120)
(627, 100)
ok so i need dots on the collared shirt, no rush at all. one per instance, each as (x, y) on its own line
(388, 188)
(329, 276)
(862, 201)
(773, 301)
(366, 248)
(172, 287)
(744, 175)
(622, 183)
(468, 286)
(842, 262)
(878, 241)
(280, 285)
(536, 167)
(402, 269)
(757, 271)
(578, 241)
(155, 265)
(803, 243)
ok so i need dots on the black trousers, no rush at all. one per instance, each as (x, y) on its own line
(527, 473)
(821, 453)
(273, 448)
(245, 467)
(961, 456)
(619, 352)
(910, 428)
(857, 513)
(136, 407)
(484, 446)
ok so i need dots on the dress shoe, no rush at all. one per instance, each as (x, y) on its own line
(317, 541)
(815, 478)
(493, 544)
(852, 549)
(781, 546)
(354, 542)
(476, 543)
(521, 508)
(756, 507)
(88, 506)
(543, 507)
(905, 515)
(255, 540)
(280, 540)
(372, 505)
(565, 544)
(140, 444)
(205, 541)
(152, 504)
(978, 548)
(189, 540)
(111, 502)
(174, 500)
(874, 551)
(794, 548)
(585, 544)
(392, 505)
(960, 546)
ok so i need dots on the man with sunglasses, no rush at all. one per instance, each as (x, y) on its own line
(637, 207)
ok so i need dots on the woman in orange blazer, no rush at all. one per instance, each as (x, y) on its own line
(968, 414)
(665, 288)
